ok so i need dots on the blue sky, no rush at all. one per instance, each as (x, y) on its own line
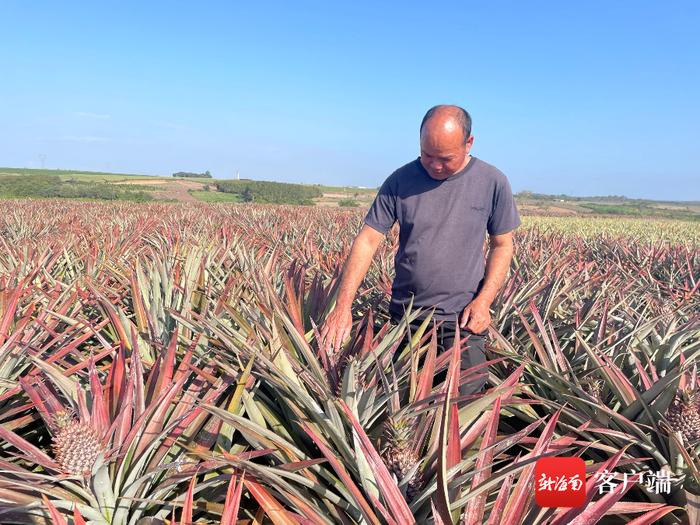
(566, 97)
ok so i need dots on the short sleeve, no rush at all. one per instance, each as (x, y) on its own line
(504, 213)
(382, 214)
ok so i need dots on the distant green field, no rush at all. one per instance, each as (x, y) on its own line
(215, 196)
(52, 186)
(613, 205)
(77, 175)
(106, 177)
(344, 189)
(642, 210)
(265, 192)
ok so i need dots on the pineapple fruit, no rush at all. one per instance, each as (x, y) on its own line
(399, 454)
(76, 445)
(683, 414)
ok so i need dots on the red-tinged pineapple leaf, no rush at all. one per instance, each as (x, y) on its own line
(122, 420)
(77, 517)
(474, 430)
(311, 517)
(56, 517)
(559, 355)
(390, 491)
(368, 335)
(343, 475)
(100, 410)
(113, 315)
(512, 379)
(382, 510)
(188, 421)
(448, 446)
(152, 418)
(615, 377)
(437, 519)
(566, 517)
(600, 335)
(653, 516)
(325, 351)
(539, 349)
(646, 380)
(136, 377)
(28, 449)
(45, 403)
(137, 298)
(474, 512)
(269, 504)
(161, 375)
(81, 401)
(502, 498)
(594, 512)
(427, 373)
(633, 507)
(186, 516)
(293, 466)
(10, 309)
(293, 305)
(522, 494)
(541, 330)
(21, 325)
(454, 450)
(116, 379)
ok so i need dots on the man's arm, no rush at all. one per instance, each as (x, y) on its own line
(339, 322)
(476, 316)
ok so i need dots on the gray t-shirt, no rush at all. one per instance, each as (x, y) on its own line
(443, 226)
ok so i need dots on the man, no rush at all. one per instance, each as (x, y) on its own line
(445, 202)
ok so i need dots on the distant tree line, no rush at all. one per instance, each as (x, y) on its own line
(270, 192)
(561, 196)
(205, 175)
(51, 186)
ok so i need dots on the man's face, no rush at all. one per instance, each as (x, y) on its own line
(443, 154)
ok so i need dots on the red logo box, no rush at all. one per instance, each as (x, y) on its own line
(560, 482)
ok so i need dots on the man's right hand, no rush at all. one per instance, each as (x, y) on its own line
(338, 324)
(336, 328)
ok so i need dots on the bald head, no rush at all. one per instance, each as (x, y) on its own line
(447, 122)
(445, 141)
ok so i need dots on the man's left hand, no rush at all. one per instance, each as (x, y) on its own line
(476, 316)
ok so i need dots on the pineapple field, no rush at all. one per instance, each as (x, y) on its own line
(160, 364)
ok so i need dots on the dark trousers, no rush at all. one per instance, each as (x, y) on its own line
(472, 352)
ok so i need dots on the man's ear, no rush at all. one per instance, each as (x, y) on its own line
(470, 143)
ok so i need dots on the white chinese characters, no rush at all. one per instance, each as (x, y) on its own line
(658, 482)
(559, 483)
